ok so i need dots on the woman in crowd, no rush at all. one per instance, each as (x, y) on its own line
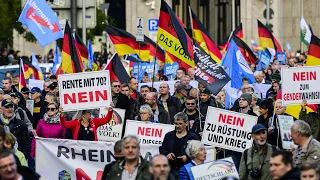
(254, 104)
(197, 152)
(49, 126)
(10, 144)
(85, 127)
(146, 114)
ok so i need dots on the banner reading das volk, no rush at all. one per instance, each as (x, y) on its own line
(300, 84)
(112, 130)
(285, 123)
(149, 133)
(87, 90)
(227, 129)
(70, 159)
(215, 170)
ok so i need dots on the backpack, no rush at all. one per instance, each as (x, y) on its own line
(245, 154)
(21, 114)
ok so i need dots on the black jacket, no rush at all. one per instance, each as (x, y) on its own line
(40, 108)
(108, 168)
(237, 109)
(27, 173)
(13, 89)
(211, 102)
(293, 174)
(174, 106)
(123, 102)
(163, 116)
(20, 131)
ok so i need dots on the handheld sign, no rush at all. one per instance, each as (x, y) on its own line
(87, 90)
(300, 84)
(149, 133)
(140, 35)
(111, 131)
(30, 105)
(227, 129)
(285, 123)
(215, 170)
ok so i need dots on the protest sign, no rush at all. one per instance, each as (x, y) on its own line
(281, 57)
(170, 70)
(261, 89)
(265, 58)
(208, 72)
(156, 85)
(112, 130)
(227, 129)
(300, 84)
(87, 90)
(36, 83)
(30, 105)
(285, 123)
(215, 170)
(149, 133)
(139, 69)
(70, 159)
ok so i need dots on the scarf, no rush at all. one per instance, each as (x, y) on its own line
(51, 120)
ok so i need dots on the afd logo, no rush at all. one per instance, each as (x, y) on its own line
(153, 24)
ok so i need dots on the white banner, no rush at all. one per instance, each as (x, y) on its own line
(87, 90)
(156, 85)
(215, 170)
(148, 132)
(112, 130)
(36, 83)
(261, 90)
(228, 129)
(70, 159)
(285, 123)
(300, 84)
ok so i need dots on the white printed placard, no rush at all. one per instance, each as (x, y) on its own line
(228, 129)
(149, 133)
(285, 123)
(111, 131)
(30, 105)
(301, 83)
(215, 170)
(87, 90)
(139, 30)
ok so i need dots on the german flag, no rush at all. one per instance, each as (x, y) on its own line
(117, 70)
(202, 36)
(245, 50)
(237, 32)
(266, 38)
(82, 49)
(22, 79)
(170, 58)
(172, 36)
(30, 71)
(313, 58)
(155, 50)
(125, 43)
(71, 59)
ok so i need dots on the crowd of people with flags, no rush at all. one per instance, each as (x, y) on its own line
(232, 77)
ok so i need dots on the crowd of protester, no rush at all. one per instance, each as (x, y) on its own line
(181, 149)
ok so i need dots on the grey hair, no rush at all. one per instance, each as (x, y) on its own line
(181, 116)
(301, 127)
(193, 148)
(127, 139)
(146, 107)
(280, 102)
(257, 73)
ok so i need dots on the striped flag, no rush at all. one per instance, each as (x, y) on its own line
(267, 40)
(117, 70)
(313, 58)
(30, 71)
(22, 80)
(305, 32)
(155, 50)
(237, 32)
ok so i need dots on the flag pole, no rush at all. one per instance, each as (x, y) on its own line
(139, 62)
(224, 49)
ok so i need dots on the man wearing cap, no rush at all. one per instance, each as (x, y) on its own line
(25, 93)
(53, 78)
(206, 100)
(40, 106)
(255, 160)
(53, 87)
(181, 92)
(17, 127)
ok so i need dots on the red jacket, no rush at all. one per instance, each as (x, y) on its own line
(94, 124)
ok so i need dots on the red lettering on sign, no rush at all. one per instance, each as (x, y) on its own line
(304, 76)
(292, 96)
(83, 97)
(229, 119)
(80, 175)
(154, 132)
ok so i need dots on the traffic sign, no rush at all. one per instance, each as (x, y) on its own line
(153, 24)
(139, 34)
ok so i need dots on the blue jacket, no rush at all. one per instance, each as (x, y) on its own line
(185, 171)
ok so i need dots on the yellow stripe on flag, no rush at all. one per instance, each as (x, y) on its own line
(66, 64)
(28, 73)
(173, 46)
(295, 109)
(266, 42)
(312, 61)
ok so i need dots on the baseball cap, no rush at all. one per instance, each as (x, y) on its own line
(25, 90)
(206, 91)
(35, 90)
(53, 85)
(258, 127)
(6, 102)
(181, 86)
(53, 77)
(15, 94)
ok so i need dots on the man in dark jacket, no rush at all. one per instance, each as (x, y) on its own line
(281, 166)
(40, 106)
(17, 127)
(206, 100)
(120, 100)
(160, 169)
(312, 118)
(159, 112)
(170, 103)
(132, 166)
(118, 157)
(175, 143)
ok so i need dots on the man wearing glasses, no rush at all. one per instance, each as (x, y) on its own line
(14, 125)
(195, 118)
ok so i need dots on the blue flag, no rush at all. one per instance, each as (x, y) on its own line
(237, 68)
(56, 60)
(264, 61)
(41, 20)
(90, 54)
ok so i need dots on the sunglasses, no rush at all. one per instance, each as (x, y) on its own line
(116, 86)
(190, 103)
(51, 109)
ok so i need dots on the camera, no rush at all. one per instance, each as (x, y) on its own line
(255, 173)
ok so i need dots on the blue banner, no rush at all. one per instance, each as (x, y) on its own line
(41, 20)
(281, 57)
(141, 68)
(170, 70)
